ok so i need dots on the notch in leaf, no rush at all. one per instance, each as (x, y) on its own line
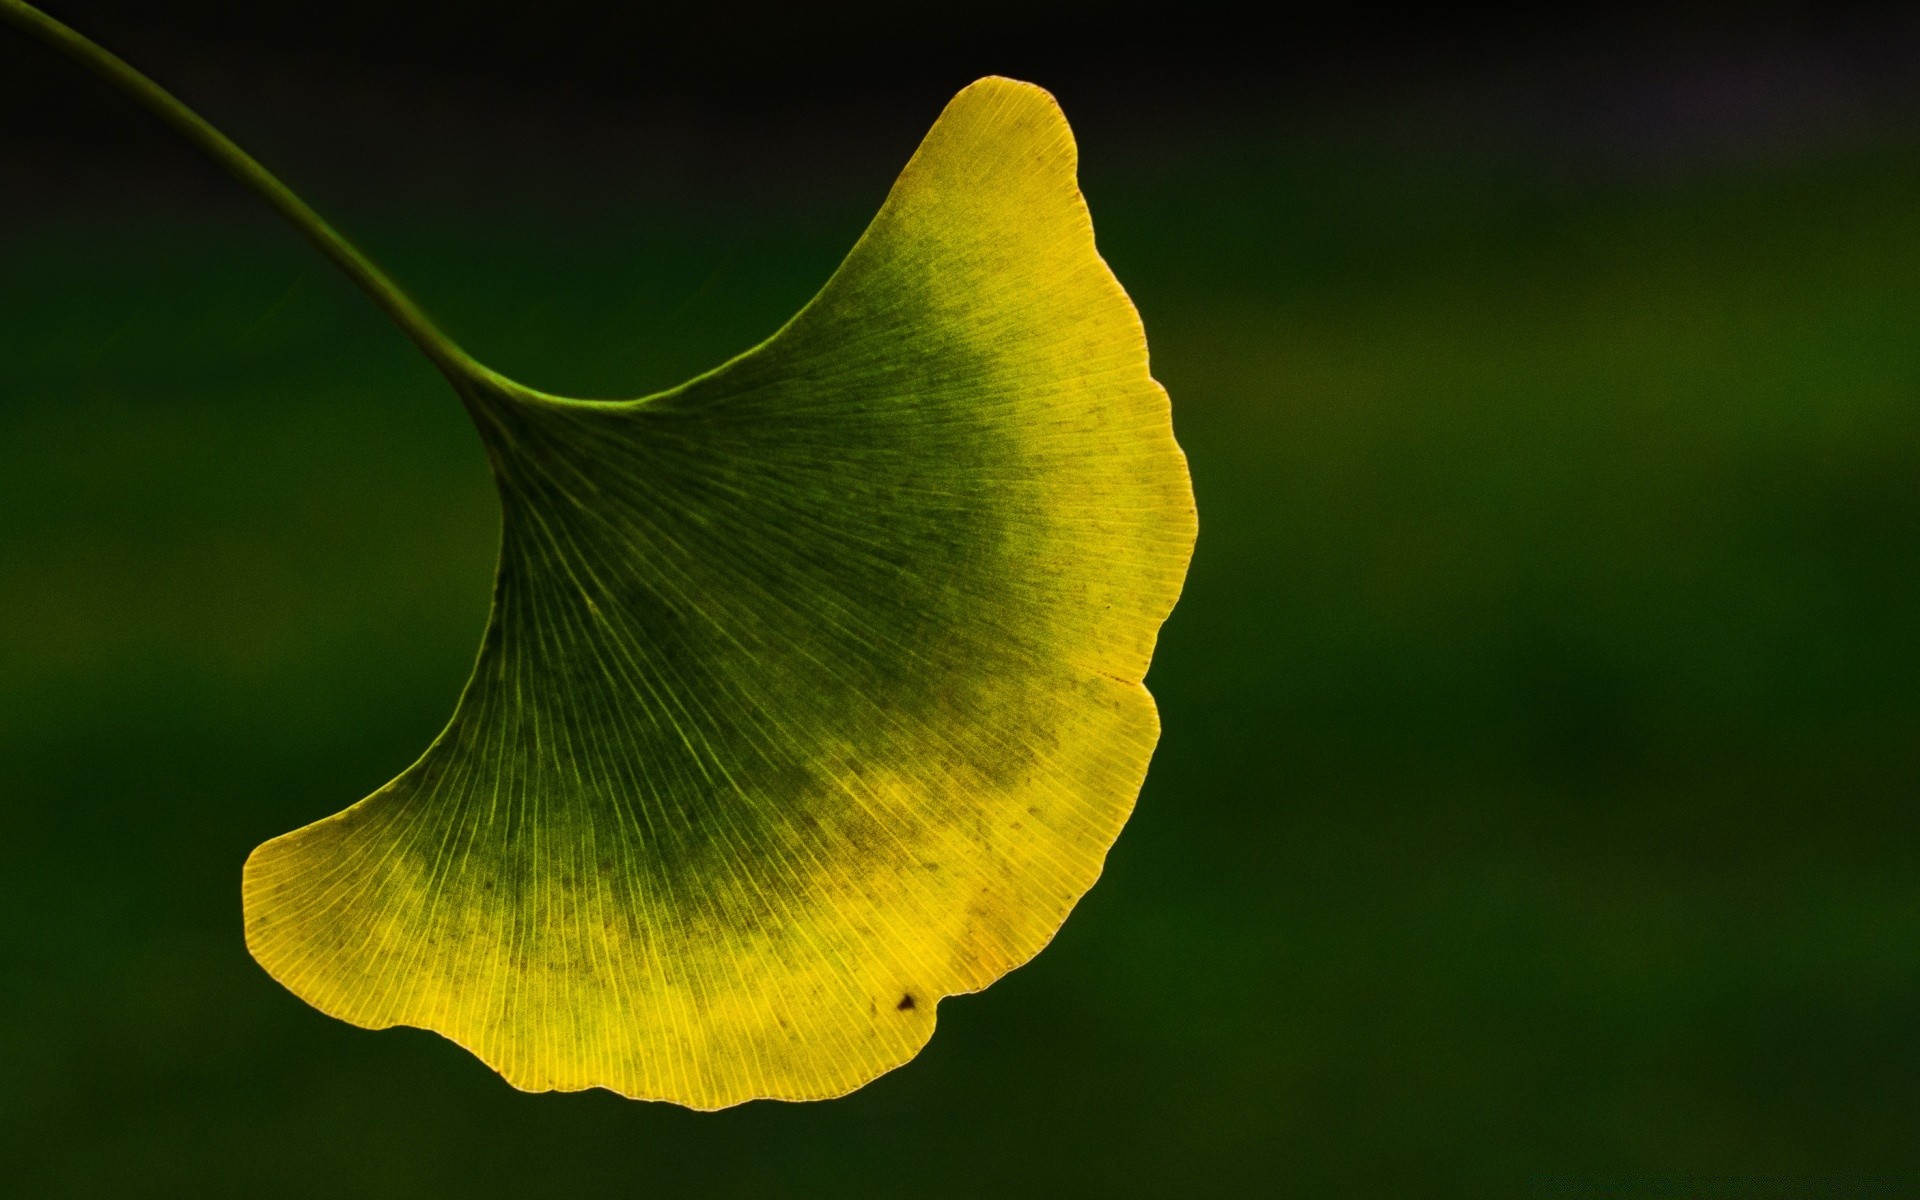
(811, 691)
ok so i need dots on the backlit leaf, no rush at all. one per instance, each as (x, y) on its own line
(811, 691)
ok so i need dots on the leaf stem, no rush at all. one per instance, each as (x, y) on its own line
(453, 361)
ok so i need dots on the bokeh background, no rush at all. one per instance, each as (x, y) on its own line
(1536, 813)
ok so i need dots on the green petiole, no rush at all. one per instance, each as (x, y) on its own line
(453, 361)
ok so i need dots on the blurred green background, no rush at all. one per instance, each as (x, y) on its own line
(1536, 809)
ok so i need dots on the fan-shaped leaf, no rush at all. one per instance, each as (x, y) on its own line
(811, 692)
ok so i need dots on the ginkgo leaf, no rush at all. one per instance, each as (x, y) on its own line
(811, 692)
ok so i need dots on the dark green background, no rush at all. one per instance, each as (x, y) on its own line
(1536, 811)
